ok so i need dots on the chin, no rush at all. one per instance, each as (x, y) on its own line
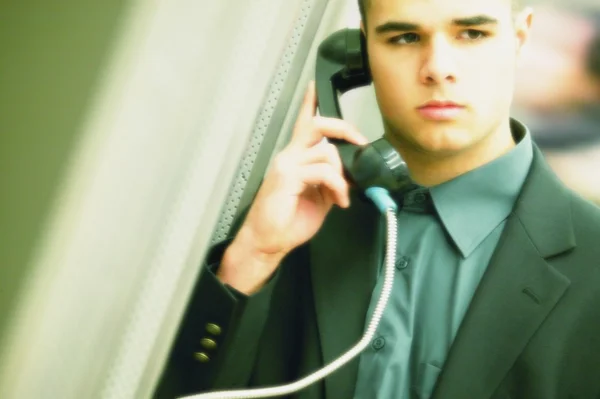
(439, 138)
(442, 150)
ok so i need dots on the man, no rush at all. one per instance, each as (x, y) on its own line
(497, 285)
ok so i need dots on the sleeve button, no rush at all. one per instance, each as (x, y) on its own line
(201, 357)
(213, 329)
(208, 343)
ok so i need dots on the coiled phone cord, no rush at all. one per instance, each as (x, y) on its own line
(384, 202)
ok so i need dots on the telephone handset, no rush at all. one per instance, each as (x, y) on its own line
(342, 65)
(375, 169)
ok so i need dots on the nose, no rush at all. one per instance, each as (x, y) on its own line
(439, 65)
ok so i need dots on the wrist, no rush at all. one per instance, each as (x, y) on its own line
(246, 268)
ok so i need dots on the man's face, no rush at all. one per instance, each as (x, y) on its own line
(462, 52)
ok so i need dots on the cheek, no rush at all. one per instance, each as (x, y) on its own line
(395, 86)
(489, 83)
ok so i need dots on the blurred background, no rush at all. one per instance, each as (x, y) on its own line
(133, 131)
(558, 91)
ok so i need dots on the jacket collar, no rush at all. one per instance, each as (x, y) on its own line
(473, 204)
(518, 290)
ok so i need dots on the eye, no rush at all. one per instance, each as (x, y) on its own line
(407, 38)
(473, 34)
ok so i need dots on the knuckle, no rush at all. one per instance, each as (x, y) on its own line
(334, 177)
(325, 125)
(326, 174)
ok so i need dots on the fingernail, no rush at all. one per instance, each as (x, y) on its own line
(361, 138)
(346, 202)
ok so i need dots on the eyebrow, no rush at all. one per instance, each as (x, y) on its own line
(398, 26)
(477, 20)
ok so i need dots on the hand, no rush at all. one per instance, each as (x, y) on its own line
(303, 183)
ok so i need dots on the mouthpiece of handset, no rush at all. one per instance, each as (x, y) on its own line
(377, 164)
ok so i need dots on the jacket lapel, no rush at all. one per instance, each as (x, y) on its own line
(345, 255)
(517, 292)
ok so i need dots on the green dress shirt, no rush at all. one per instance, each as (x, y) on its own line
(441, 258)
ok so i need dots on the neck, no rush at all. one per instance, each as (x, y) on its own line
(429, 169)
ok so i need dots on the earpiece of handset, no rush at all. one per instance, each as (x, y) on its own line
(376, 164)
(342, 64)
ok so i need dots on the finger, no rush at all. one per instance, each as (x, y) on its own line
(331, 128)
(327, 196)
(323, 152)
(324, 175)
(334, 128)
(320, 194)
(307, 111)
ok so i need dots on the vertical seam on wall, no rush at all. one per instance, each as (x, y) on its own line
(261, 126)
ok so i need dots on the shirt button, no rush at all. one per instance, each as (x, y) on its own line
(402, 262)
(378, 343)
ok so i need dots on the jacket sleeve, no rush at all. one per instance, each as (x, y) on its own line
(242, 319)
(218, 336)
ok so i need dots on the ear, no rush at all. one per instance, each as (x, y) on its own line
(523, 24)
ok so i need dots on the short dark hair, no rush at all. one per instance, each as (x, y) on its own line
(363, 5)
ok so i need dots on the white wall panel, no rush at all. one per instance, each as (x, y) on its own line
(145, 187)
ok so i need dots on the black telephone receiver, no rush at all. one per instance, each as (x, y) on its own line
(342, 65)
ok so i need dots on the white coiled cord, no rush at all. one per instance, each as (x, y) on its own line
(390, 261)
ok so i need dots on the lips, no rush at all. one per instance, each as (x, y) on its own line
(440, 104)
(440, 110)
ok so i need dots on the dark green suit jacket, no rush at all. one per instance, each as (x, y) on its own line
(532, 330)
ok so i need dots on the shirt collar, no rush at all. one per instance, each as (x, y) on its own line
(472, 205)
